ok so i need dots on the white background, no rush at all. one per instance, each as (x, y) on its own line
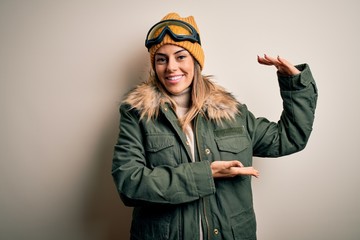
(65, 65)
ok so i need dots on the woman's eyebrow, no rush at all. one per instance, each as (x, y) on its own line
(165, 55)
(161, 54)
(179, 51)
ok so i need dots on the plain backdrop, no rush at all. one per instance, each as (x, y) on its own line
(65, 66)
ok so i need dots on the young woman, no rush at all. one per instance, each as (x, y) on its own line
(183, 158)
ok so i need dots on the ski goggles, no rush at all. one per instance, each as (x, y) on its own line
(154, 37)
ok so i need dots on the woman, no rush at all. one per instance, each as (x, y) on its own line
(183, 158)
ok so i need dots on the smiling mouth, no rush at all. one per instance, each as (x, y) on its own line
(174, 79)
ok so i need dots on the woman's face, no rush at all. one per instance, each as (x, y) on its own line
(174, 67)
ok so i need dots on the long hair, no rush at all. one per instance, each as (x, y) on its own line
(201, 88)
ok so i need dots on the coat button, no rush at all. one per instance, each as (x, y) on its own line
(207, 151)
(165, 109)
(216, 231)
(187, 143)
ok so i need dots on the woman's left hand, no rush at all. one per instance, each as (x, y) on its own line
(224, 169)
(283, 66)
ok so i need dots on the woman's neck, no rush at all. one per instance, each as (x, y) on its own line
(183, 101)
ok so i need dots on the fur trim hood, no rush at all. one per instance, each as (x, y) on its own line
(147, 99)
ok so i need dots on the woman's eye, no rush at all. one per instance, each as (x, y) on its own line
(181, 57)
(160, 60)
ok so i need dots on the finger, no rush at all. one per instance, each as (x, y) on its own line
(284, 62)
(248, 171)
(274, 61)
(236, 163)
(288, 67)
(263, 61)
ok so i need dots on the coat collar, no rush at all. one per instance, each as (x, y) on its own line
(147, 99)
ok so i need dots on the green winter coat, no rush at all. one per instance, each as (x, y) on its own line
(153, 171)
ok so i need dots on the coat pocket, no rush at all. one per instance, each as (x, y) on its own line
(244, 225)
(161, 149)
(151, 223)
(234, 147)
(232, 144)
(153, 229)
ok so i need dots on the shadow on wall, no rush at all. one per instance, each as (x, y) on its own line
(105, 216)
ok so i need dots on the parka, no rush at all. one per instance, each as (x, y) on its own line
(172, 195)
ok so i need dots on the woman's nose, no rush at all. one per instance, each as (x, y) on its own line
(172, 65)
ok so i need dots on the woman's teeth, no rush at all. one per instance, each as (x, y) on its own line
(174, 78)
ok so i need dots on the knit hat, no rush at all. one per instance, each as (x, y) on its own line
(194, 49)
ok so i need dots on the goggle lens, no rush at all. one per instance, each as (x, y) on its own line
(185, 32)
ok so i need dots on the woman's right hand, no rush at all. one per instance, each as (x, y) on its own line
(223, 169)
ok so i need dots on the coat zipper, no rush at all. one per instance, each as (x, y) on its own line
(203, 200)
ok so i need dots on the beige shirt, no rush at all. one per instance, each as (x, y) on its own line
(183, 101)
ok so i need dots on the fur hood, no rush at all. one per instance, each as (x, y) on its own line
(147, 99)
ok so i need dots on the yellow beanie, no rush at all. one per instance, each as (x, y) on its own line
(194, 49)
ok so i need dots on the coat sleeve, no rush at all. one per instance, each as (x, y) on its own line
(139, 185)
(291, 133)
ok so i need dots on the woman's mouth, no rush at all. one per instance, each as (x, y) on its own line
(174, 79)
